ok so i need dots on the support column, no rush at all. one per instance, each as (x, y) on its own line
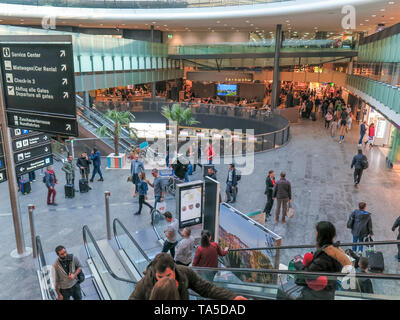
(86, 99)
(276, 83)
(153, 84)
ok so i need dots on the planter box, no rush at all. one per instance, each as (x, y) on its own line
(116, 161)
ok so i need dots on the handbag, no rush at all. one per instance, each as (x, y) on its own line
(290, 212)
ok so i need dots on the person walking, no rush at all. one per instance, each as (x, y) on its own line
(334, 127)
(171, 232)
(397, 225)
(83, 163)
(283, 194)
(96, 158)
(349, 122)
(269, 189)
(142, 189)
(231, 184)
(328, 119)
(183, 254)
(371, 135)
(360, 223)
(360, 162)
(363, 129)
(343, 130)
(50, 179)
(164, 266)
(157, 186)
(210, 153)
(136, 167)
(69, 170)
(326, 258)
(207, 255)
(66, 268)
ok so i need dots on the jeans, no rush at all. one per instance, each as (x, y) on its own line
(74, 292)
(169, 246)
(355, 240)
(284, 204)
(156, 200)
(357, 175)
(228, 191)
(361, 138)
(51, 192)
(96, 170)
(142, 201)
(135, 181)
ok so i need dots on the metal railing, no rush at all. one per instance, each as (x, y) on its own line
(136, 4)
(262, 142)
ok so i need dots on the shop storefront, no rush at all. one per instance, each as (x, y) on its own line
(393, 157)
(383, 128)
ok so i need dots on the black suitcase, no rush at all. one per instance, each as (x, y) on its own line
(83, 185)
(25, 186)
(69, 191)
(376, 261)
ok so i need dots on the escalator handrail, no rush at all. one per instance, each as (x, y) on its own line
(345, 244)
(86, 233)
(117, 221)
(382, 276)
(40, 254)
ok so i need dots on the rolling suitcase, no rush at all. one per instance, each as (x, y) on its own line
(375, 258)
(69, 191)
(83, 185)
(25, 186)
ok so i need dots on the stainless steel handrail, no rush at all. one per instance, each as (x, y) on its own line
(117, 221)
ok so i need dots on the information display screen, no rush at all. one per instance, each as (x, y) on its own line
(227, 90)
(190, 204)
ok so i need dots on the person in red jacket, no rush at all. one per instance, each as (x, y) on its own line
(207, 255)
(210, 153)
(371, 134)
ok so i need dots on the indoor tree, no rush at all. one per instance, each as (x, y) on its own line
(120, 119)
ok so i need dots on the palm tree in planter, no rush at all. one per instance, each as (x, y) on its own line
(180, 116)
(116, 159)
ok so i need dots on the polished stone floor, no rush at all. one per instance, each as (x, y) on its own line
(317, 167)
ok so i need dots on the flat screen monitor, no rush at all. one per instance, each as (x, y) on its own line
(227, 90)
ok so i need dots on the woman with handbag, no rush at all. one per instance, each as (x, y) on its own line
(326, 258)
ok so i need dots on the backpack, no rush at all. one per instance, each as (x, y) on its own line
(364, 163)
(238, 175)
(44, 179)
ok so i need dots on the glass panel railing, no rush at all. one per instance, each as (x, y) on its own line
(45, 271)
(125, 241)
(117, 288)
(273, 284)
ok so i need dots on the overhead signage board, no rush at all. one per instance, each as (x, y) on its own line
(33, 165)
(39, 84)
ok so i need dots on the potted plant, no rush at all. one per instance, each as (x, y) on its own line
(116, 159)
(180, 116)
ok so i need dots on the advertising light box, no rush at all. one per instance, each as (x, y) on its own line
(190, 203)
(149, 130)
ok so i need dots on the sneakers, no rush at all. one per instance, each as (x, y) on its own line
(101, 179)
(91, 180)
(137, 214)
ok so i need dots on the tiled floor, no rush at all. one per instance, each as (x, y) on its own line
(322, 185)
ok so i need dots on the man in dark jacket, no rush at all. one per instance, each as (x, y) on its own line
(363, 129)
(365, 284)
(231, 184)
(95, 157)
(397, 225)
(269, 189)
(283, 194)
(164, 265)
(358, 163)
(83, 163)
(360, 223)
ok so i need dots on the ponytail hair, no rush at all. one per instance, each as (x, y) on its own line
(205, 238)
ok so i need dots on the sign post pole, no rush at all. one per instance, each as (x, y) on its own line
(12, 181)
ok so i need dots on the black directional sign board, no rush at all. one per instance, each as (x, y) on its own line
(3, 174)
(30, 141)
(33, 165)
(38, 82)
(32, 153)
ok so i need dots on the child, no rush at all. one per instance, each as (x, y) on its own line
(142, 189)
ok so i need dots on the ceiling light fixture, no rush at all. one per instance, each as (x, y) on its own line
(247, 21)
(391, 2)
(374, 15)
(382, 10)
(218, 21)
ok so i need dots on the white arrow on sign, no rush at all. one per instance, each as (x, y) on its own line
(45, 138)
(66, 95)
(46, 149)
(64, 81)
(62, 53)
(21, 169)
(63, 67)
(68, 127)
